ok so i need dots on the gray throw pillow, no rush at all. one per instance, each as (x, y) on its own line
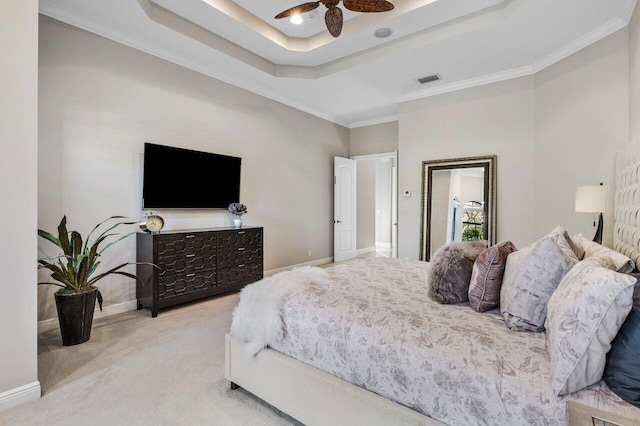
(486, 278)
(450, 271)
(530, 278)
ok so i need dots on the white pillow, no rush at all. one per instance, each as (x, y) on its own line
(584, 316)
(530, 277)
(609, 259)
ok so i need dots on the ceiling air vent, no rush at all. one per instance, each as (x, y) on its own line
(429, 79)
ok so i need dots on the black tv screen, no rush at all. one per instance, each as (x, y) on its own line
(177, 178)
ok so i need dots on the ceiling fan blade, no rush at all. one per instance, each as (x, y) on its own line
(333, 19)
(368, 5)
(297, 10)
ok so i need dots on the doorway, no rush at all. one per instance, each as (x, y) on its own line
(376, 205)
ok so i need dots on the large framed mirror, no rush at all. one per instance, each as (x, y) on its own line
(458, 202)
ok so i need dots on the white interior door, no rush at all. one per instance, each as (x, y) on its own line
(344, 209)
(394, 209)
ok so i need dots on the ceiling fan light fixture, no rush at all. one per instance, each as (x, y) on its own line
(296, 19)
(383, 32)
(333, 16)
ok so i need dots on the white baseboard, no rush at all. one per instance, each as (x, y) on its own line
(14, 397)
(107, 311)
(311, 263)
(383, 245)
(365, 250)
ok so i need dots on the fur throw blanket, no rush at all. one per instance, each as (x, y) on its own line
(257, 319)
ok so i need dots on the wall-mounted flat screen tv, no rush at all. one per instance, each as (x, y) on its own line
(178, 178)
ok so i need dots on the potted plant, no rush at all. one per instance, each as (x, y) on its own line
(238, 210)
(75, 272)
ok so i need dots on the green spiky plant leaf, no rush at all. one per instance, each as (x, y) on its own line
(75, 268)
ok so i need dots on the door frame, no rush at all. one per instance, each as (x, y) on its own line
(394, 190)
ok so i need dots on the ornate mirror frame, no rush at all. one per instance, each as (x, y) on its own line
(488, 163)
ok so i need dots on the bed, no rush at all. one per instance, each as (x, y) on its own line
(367, 346)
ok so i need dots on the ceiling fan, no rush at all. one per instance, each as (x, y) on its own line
(333, 16)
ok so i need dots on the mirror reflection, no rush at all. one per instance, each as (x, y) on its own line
(457, 202)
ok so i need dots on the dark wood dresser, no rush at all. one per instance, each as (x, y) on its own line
(196, 264)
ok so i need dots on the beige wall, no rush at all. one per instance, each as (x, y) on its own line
(100, 101)
(18, 192)
(551, 132)
(495, 119)
(634, 76)
(581, 120)
(365, 204)
(375, 139)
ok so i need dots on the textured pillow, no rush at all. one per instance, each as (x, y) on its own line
(610, 259)
(585, 314)
(450, 271)
(622, 371)
(530, 277)
(577, 248)
(486, 278)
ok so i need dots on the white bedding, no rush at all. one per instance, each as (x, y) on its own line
(372, 324)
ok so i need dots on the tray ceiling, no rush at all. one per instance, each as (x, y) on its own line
(354, 79)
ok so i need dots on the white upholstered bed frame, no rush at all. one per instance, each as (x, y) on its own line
(314, 397)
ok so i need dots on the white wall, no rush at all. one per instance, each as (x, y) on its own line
(495, 119)
(581, 120)
(365, 204)
(18, 192)
(100, 101)
(374, 139)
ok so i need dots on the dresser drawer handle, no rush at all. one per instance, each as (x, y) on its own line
(241, 248)
(191, 275)
(191, 255)
(190, 236)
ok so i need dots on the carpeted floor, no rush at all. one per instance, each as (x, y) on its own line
(138, 370)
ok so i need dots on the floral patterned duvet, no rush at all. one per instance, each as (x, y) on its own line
(373, 325)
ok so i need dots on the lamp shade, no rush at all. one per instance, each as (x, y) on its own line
(591, 199)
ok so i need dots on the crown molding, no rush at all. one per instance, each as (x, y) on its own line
(466, 84)
(566, 51)
(584, 41)
(374, 121)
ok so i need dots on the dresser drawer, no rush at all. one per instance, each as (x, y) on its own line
(187, 245)
(178, 285)
(233, 256)
(241, 273)
(184, 265)
(240, 238)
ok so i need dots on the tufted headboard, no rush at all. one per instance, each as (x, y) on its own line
(626, 233)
